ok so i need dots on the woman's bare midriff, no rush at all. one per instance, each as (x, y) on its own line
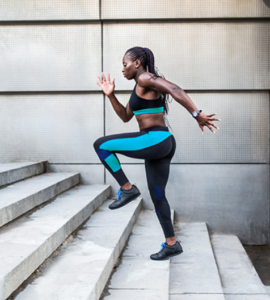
(150, 120)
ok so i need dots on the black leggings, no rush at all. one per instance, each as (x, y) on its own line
(156, 145)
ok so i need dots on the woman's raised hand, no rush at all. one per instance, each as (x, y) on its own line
(106, 85)
(207, 120)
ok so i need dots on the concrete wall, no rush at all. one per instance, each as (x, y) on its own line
(218, 51)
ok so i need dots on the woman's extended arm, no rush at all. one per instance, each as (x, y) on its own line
(108, 88)
(164, 86)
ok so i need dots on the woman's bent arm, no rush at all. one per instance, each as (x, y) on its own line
(123, 112)
(108, 89)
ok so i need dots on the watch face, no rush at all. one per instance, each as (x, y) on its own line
(195, 114)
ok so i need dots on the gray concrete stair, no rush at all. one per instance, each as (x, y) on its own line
(81, 269)
(194, 274)
(137, 276)
(26, 242)
(12, 172)
(20, 197)
(239, 278)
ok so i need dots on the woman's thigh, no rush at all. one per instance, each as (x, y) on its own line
(141, 145)
(157, 171)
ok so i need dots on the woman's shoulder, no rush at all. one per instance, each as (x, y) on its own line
(144, 78)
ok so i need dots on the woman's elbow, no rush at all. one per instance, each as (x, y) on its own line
(127, 119)
(175, 90)
(128, 116)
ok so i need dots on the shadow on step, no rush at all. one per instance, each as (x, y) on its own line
(260, 257)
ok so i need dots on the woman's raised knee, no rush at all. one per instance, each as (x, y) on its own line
(98, 142)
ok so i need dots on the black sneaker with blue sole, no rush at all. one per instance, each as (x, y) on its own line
(167, 251)
(124, 197)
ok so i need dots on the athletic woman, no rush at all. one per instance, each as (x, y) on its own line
(154, 143)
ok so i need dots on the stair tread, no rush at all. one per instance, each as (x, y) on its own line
(237, 273)
(15, 171)
(18, 198)
(82, 268)
(199, 296)
(194, 272)
(4, 167)
(20, 190)
(138, 276)
(28, 241)
(247, 297)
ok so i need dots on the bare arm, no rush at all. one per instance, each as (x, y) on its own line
(123, 112)
(108, 88)
(164, 86)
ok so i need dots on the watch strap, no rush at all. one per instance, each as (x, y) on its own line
(196, 113)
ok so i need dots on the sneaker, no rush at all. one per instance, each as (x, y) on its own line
(124, 197)
(167, 251)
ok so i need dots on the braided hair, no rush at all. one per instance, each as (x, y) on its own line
(147, 59)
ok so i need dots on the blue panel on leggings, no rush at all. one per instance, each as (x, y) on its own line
(136, 143)
(103, 153)
(156, 208)
(113, 163)
(160, 194)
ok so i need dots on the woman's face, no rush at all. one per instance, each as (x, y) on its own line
(129, 71)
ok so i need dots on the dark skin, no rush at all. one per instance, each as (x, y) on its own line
(150, 88)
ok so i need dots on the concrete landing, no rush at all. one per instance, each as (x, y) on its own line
(12, 172)
(28, 241)
(194, 274)
(137, 276)
(239, 278)
(18, 198)
(81, 269)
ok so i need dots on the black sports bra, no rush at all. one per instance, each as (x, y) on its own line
(140, 106)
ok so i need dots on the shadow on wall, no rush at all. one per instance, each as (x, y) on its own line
(267, 2)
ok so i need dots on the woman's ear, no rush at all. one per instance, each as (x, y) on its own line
(137, 63)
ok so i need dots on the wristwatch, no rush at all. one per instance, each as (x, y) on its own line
(196, 113)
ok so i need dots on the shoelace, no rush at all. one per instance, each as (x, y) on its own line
(118, 194)
(162, 246)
